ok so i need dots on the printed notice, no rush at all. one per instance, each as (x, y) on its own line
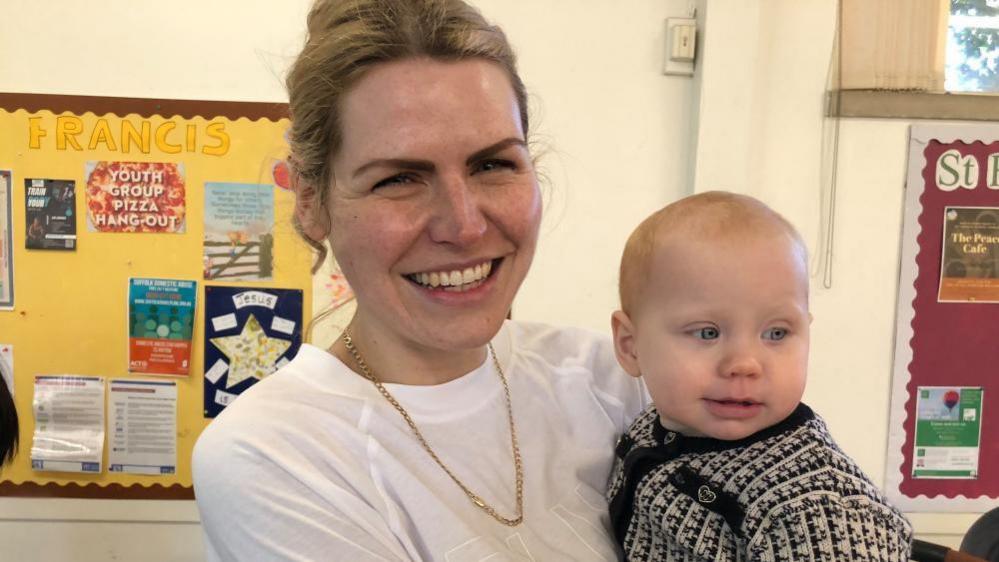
(160, 325)
(69, 424)
(239, 224)
(6, 243)
(948, 432)
(50, 214)
(142, 426)
(135, 197)
(969, 266)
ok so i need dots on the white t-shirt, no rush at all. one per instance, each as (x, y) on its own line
(312, 463)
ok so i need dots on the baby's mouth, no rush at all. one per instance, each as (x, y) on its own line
(735, 402)
(455, 280)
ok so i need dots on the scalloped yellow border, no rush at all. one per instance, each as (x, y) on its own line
(70, 316)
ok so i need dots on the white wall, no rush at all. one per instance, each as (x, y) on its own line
(615, 129)
(618, 136)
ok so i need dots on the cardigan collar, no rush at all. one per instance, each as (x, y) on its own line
(686, 444)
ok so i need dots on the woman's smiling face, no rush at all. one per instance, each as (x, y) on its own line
(435, 205)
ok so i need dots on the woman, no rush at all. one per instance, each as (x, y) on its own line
(432, 429)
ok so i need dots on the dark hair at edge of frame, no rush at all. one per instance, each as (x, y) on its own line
(346, 38)
(8, 423)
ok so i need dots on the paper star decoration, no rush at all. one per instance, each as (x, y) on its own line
(251, 353)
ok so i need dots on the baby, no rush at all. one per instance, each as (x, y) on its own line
(727, 463)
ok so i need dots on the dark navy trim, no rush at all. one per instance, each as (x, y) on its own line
(799, 417)
(709, 496)
(638, 463)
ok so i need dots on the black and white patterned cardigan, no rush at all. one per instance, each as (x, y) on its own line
(786, 493)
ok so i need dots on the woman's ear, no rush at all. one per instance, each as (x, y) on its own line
(624, 343)
(311, 215)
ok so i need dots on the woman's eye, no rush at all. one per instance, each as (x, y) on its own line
(496, 164)
(709, 333)
(775, 334)
(394, 180)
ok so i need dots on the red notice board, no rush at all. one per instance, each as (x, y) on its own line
(943, 449)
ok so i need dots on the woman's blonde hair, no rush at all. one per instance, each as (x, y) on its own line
(346, 38)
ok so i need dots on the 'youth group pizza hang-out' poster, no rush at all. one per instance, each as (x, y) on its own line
(239, 225)
(6, 243)
(50, 214)
(135, 197)
(160, 325)
(249, 334)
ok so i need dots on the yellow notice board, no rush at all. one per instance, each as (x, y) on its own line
(70, 311)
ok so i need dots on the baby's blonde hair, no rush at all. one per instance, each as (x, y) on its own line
(710, 215)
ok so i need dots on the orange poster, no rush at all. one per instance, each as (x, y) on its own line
(969, 266)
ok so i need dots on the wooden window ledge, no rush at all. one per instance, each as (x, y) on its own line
(912, 105)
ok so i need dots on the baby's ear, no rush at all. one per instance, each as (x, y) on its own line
(624, 343)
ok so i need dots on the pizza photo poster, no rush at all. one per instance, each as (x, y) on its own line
(126, 178)
(135, 197)
(943, 448)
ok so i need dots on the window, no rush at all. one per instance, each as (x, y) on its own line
(973, 46)
(916, 59)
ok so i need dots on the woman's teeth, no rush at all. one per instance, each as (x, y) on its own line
(457, 280)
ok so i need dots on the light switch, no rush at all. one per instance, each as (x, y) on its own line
(681, 44)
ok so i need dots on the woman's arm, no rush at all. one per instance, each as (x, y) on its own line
(253, 509)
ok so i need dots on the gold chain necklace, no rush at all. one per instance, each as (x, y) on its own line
(518, 468)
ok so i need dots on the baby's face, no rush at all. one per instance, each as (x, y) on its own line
(722, 334)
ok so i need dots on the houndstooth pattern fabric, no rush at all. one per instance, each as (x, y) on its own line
(794, 496)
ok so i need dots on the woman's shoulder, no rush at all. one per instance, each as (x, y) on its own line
(313, 390)
(575, 359)
(561, 345)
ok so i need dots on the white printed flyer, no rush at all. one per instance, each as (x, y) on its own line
(69, 424)
(142, 426)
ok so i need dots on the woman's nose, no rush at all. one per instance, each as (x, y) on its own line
(458, 217)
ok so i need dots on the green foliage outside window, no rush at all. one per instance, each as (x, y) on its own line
(973, 46)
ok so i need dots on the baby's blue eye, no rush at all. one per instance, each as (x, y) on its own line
(709, 333)
(775, 334)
